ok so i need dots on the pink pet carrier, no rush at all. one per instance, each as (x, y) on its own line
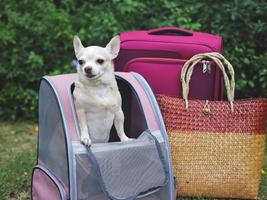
(140, 169)
(159, 54)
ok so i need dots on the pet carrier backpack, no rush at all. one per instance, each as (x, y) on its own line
(139, 169)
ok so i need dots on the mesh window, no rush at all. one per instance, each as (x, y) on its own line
(88, 187)
(127, 169)
(87, 183)
(52, 144)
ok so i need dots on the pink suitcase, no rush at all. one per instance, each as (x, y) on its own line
(159, 54)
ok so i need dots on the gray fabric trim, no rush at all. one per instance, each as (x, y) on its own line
(74, 176)
(159, 117)
(54, 179)
(148, 193)
(68, 141)
(160, 152)
(73, 110)
(79, 148)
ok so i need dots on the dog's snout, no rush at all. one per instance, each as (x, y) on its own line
(88, 70)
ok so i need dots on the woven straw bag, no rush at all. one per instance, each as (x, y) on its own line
(217, 146)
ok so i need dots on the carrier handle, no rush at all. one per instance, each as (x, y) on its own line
(188, 68)
(170, 31)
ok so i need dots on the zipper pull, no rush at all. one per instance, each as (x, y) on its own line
(206, 66)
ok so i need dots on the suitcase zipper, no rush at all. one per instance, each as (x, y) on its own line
(206, 66)
(153, 60)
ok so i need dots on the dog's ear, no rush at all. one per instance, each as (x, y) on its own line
(113, 47)
(77, 44)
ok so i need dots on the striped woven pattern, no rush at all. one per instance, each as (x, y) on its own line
(249, 115)
(219, 154)
(217, 146)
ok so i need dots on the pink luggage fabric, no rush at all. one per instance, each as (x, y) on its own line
(159, 54)
(163, 76)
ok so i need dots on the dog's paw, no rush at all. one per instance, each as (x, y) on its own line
(86, 141)
(126, 139)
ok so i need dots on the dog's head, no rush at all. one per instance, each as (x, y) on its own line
(95, 61)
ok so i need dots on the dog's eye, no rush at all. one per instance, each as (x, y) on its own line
(100, 61)
(81, 62)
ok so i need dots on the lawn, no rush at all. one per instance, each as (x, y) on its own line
(18, 156)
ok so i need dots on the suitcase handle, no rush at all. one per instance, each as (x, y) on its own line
(170, 31)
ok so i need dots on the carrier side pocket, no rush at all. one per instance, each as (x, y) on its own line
(45, 185)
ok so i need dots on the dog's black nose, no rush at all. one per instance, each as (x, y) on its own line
(88, 70)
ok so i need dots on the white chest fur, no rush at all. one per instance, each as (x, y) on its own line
(100, 103)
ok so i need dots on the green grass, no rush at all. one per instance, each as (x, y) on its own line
(18, 156)
(263, 186)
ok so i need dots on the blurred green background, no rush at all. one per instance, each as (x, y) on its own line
(36, 39)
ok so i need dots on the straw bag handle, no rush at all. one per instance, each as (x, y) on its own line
(188, 68)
